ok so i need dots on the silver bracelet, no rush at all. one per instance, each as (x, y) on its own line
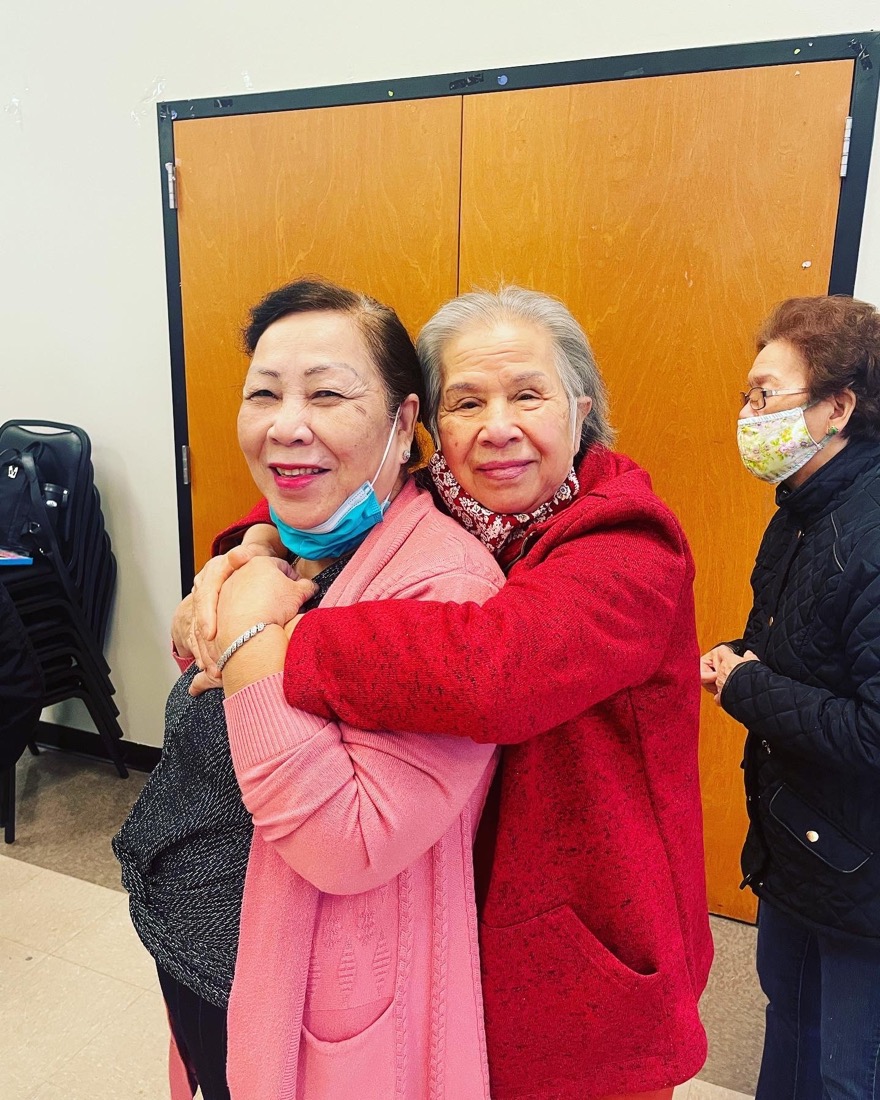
(251, 632)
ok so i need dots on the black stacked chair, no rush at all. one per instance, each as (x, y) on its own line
(51, 511)
(21, 699)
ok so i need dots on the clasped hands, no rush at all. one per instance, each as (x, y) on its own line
(251, 584)
(232, 593)
(717, 665)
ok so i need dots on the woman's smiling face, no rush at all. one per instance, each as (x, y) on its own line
(313, 423)
(505, 420)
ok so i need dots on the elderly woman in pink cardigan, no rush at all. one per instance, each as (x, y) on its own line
(357, 971)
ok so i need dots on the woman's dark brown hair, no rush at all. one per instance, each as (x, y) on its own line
(387, 340)
(838, 338)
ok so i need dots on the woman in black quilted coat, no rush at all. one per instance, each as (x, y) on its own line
(805, 682)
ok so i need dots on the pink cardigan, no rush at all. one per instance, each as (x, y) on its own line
(358, 969)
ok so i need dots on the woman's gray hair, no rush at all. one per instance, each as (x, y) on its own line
(574, 357)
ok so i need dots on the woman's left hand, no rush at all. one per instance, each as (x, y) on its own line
(725, 662)
(264, 590)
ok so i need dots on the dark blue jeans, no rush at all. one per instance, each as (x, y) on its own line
(823, 1021)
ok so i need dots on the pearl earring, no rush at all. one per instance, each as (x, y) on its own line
(406, 455)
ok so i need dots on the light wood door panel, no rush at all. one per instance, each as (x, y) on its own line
(670, 213)
(365, 195)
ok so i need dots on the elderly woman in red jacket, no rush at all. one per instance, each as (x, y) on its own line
(594, 934)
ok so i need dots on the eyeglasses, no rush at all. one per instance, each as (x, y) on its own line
(757, 397)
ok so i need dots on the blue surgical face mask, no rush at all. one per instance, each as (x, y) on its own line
(346, 528)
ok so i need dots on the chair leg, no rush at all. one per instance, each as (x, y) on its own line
(7, 804)
(109, 732)
(34, 748)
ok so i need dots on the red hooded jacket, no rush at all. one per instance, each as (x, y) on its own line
(594, 931)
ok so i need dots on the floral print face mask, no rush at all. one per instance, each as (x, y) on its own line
(773, 446)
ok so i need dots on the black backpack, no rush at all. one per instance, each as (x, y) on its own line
(28, 509)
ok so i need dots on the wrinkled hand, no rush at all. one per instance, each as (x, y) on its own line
(259, 541)
(267, 590)
(182, 634)
(204, 681)
(205, 597)
(717, 665)
(264, 589)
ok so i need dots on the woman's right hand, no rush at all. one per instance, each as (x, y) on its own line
(709, 663)
(717, 665)
(182, 635)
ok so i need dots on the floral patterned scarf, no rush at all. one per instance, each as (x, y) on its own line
(501, 532)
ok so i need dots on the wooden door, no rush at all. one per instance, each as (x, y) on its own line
(365, 195)
(670, 214)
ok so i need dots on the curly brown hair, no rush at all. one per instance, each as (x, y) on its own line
(838, 338)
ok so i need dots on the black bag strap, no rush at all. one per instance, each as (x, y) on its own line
(39, 525)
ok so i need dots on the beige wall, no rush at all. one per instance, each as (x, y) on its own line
(82, 291)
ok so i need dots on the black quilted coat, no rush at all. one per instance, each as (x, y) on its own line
(811, 703)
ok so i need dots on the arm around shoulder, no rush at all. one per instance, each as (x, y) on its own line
(594, 617)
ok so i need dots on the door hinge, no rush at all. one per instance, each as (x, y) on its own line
(184, 463)
(847, 133)
(171, 173)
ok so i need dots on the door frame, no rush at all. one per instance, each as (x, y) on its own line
(496, 81)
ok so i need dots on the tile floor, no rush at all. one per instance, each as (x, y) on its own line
(81, 1017)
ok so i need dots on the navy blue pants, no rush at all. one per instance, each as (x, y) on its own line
(200, 1034)
(823, 1018)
